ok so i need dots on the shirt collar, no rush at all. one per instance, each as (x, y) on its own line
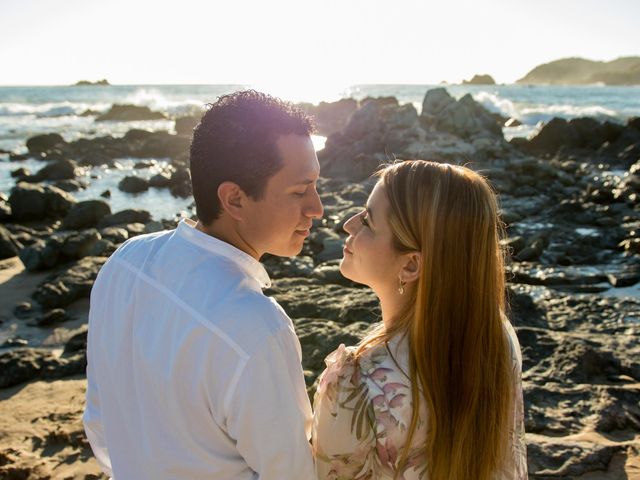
(248, 264)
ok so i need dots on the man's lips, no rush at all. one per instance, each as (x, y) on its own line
(346, 249)
(304, 232)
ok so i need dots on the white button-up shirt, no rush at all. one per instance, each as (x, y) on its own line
(193, 372)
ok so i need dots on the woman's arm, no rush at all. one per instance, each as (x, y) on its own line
(343, 432)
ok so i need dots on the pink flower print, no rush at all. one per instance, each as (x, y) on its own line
(380, 374)
(392, 387)
(397, 401)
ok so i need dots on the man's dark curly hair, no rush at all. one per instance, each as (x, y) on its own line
(236, 141)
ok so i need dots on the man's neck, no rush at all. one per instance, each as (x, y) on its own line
(227, 233)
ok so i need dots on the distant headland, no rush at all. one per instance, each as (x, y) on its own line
(580, 71)
(85, 83)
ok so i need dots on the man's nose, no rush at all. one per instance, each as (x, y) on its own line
(315, 209)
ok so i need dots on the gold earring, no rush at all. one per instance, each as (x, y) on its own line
(401, 288)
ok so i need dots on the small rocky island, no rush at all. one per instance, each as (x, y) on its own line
(580, 71)
(480, 80)
(87, 83)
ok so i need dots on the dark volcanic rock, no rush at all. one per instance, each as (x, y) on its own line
(57, 315)
(44, 143)
(82, 244)
(301, 297)
(86, 214)
(20, 172)
(55, 170)
(331, 117)
(26, 364)
(71, 285)
(125, 217)
(133, 184)
(36, 202)
(127, 113)
(160, 180)
(41, 255)
(9, 246)
(185, 125)
(77, 343)
(464, 117)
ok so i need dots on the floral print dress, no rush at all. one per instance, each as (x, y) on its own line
(363, 410)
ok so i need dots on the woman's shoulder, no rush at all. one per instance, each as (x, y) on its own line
(516, 353)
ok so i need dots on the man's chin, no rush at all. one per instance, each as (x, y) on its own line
(291, 251)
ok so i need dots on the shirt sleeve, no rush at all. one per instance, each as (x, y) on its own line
(92, 420)
(343, 434)
(518, 440)
(269, 414)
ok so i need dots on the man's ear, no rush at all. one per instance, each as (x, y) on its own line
(412, 267)
(232, 199)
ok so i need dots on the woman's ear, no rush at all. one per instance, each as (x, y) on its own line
(231, 199)
(411, 267)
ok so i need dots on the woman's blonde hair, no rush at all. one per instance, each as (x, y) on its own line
(458, 350)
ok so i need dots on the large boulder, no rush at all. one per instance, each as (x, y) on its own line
(86, 214)
(55, 170)
(27, 364)
(37, 202)
(128, 113)
(44, 143)
(331, 117)
(125, 217)
(185, 125)
(464, 118)
(41, 255)
(132, 184)
(577, 133)
(71, 285)
(379, 129)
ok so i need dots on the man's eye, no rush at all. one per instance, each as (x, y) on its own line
(299, 194)
(364, 220)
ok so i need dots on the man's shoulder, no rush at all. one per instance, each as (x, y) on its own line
(141, 243)
(249, 319)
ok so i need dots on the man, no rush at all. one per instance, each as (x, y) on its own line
(192, 372)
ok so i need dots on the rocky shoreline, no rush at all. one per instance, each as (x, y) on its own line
(569, 200)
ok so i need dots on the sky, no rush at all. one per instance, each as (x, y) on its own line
(321, 43)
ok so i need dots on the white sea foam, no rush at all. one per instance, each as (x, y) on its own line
(543, 113)
(49, 109)
(156, 100)
(494, 103)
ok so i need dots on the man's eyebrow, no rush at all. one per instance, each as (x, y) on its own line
(307, 181)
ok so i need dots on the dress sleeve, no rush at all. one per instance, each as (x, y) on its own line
(518, 441)
(343, 434)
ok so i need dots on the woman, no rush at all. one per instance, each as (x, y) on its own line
(434, 391)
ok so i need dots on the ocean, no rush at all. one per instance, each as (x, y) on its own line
(28, 111)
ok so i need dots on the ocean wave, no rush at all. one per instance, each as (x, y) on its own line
(494, 103)
(533, 114)
(156, 100)
(544, 113)
(49, 109)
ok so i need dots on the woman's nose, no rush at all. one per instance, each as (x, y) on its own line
(349, 225)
